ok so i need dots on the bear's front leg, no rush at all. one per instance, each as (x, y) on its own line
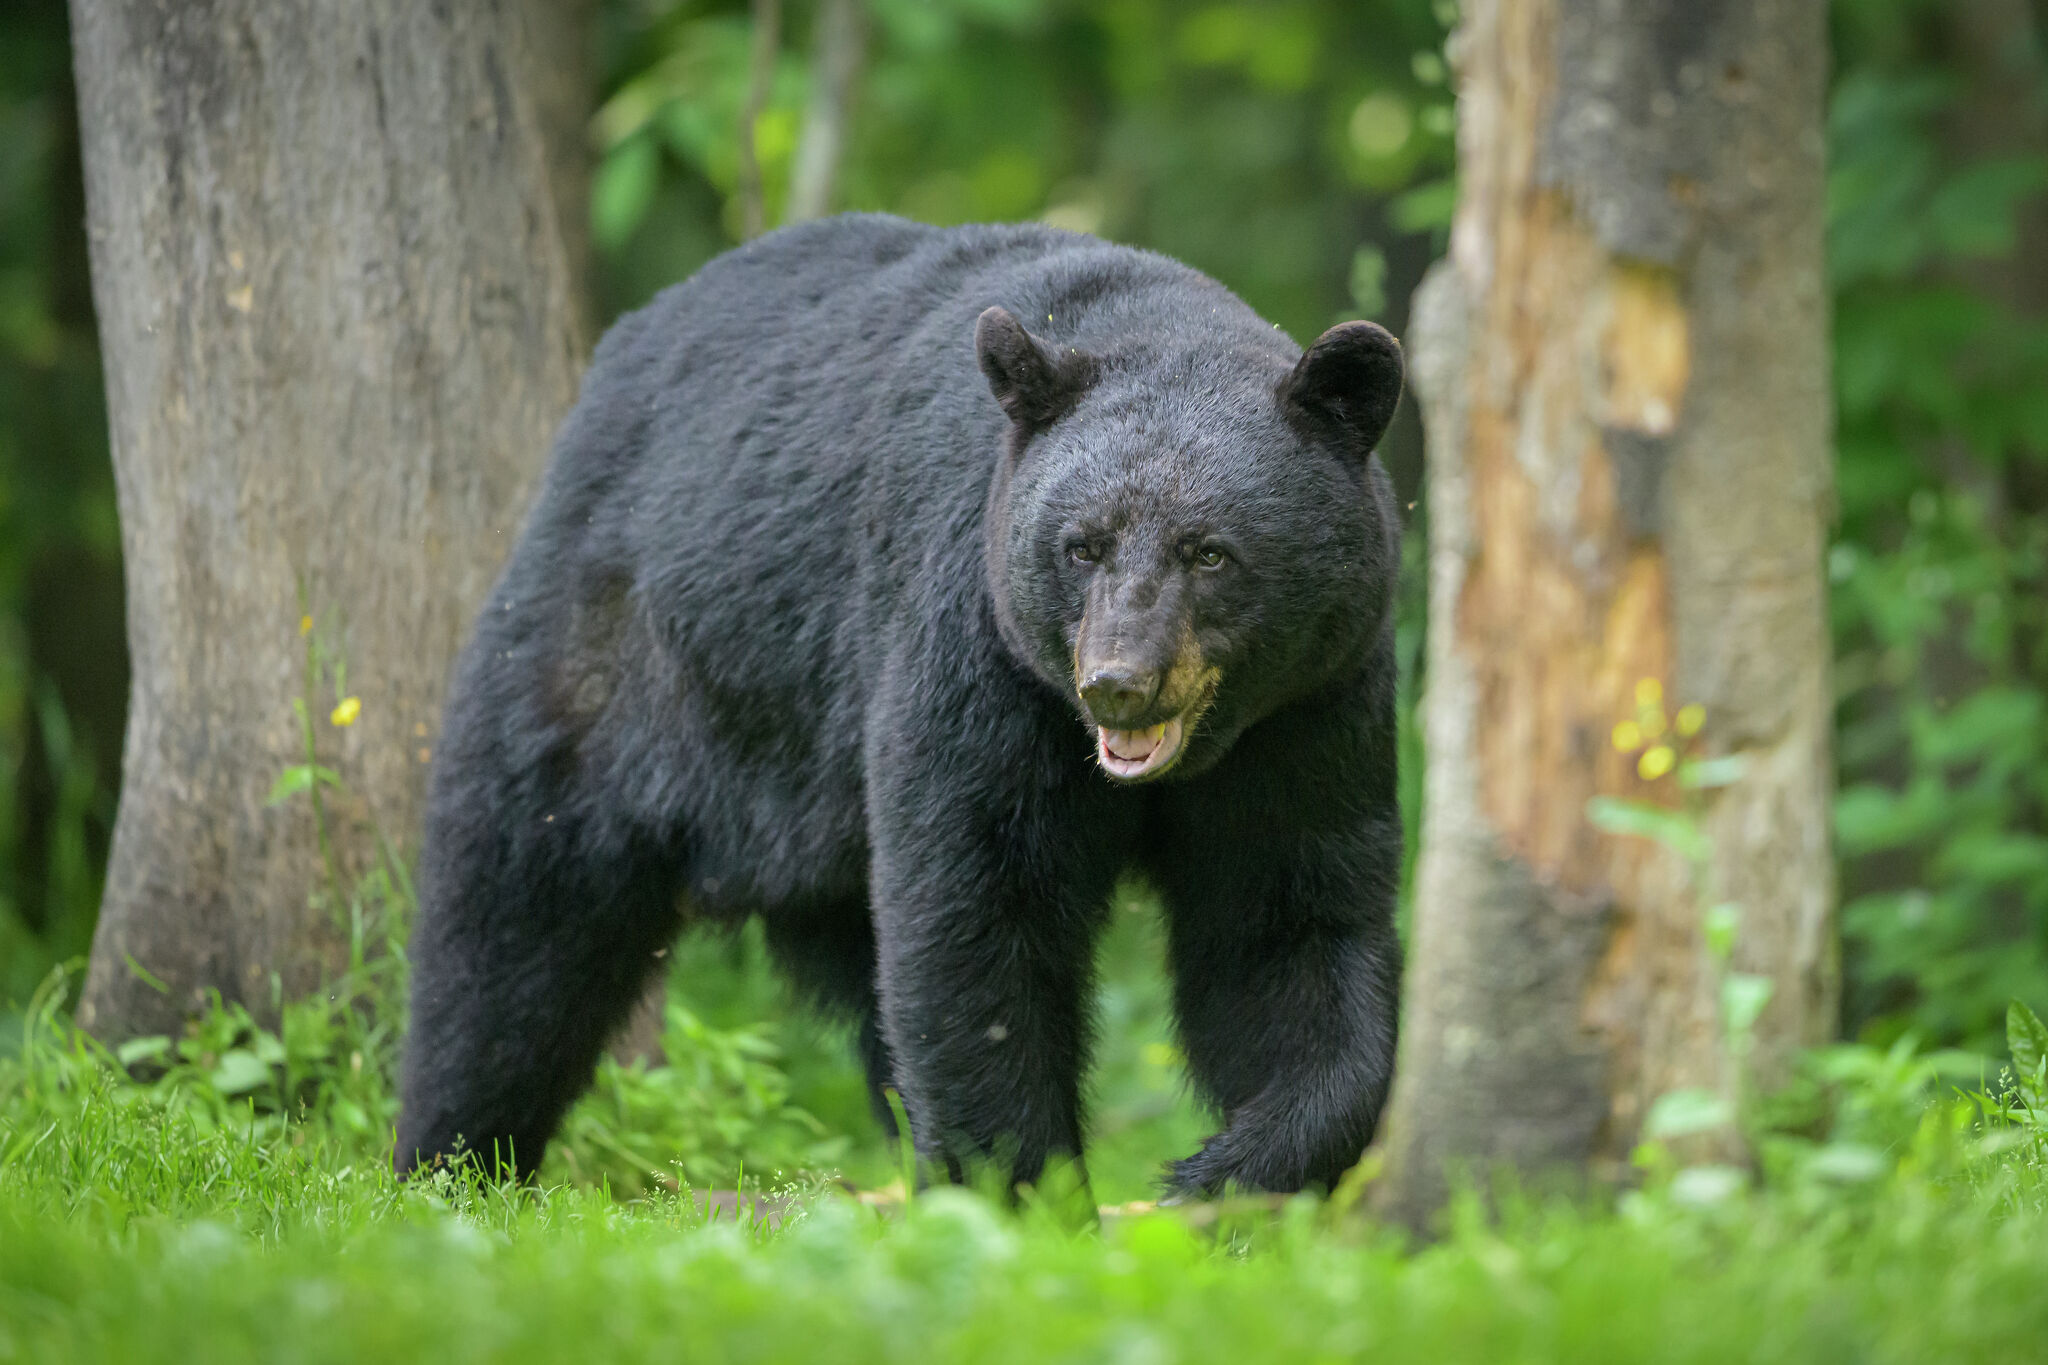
(1286, 981)
(990, 882)
(1291, 1032)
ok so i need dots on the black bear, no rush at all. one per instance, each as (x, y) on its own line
(906, 587)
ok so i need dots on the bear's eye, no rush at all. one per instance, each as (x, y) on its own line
(1081, 552)
(1211, 557)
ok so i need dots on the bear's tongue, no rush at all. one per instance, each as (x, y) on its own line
(1133, 753)
(1134, 746)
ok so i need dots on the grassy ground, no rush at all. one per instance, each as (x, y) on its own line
(237, 1206)
(131, 1235)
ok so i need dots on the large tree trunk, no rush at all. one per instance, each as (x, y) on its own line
(1624, 374)
(339, 326)
(563, 84)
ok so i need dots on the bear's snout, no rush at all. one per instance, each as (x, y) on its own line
(1119, 694)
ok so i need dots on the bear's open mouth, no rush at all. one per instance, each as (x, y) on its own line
(1131, 754)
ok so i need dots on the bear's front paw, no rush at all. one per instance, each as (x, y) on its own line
(1201, 1176)
(1235, 1161)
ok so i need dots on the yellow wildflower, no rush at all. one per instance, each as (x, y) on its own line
(305, 625)
(1656, 762)
(1690, 719)
(1653, 721)
(346, 713)
(1649, 694)
(1627, 737)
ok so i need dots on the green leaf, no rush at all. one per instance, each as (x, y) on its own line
(145, 975)
(1719, 925)
(1681, 1113)
(1696, 774)
(1703, 1187)
(1995, 857)
(1369, 280)
(1846, 1163)
(153, 1047)
(1989, 722)
(239, 1072)
(1425, 207)
(1976, 212)
(1675, 830)
(1743, 997)
(297, 778)
(1869, 817)
(623, 189)
(2028, 1039)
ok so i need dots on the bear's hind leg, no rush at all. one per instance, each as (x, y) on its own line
(539, 932)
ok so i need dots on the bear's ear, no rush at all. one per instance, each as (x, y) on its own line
(1035, 383)
(1347, 385)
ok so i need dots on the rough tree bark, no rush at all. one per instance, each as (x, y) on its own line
(564, 88)
(1623, 369)
(339, 325)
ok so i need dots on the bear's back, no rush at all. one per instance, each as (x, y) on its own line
(807, 410)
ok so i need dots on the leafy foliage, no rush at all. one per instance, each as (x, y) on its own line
(1269, 144)
(62, 666)
(1941, 568)
(717, 1108)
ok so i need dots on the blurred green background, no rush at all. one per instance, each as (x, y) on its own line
(1302, 153)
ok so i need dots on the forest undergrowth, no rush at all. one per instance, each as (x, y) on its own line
(227, 1195)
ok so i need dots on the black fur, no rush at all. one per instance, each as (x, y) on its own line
(794, 632)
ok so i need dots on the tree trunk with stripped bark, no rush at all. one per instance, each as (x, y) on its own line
(1623, 369)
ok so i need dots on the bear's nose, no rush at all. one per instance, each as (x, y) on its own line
(1118, 696)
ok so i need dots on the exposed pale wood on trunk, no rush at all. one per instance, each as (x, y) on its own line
(1623, 370)
(339, 328)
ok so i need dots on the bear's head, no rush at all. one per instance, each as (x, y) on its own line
(1185, 538)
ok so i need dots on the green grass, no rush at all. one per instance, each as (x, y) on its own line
(236, 1204)
(131, 1233)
